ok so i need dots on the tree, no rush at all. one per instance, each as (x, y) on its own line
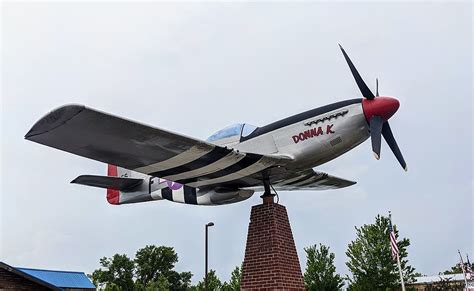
(112, 287)
(179, 281)
(153, 262)
(234, 282)
(161, 283)
(213, 282)
(116, 271)
(320, 271)
(226, 287)
(370, 259)
(235, 278)
(153, 268)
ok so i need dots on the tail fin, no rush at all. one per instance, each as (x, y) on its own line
(113, 195)
(129, 186)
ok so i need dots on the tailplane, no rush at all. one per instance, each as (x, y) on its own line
(123, 186)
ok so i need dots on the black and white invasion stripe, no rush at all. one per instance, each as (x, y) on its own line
(183, 195)
(208, 166)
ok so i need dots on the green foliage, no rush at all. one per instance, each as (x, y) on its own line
(235, 278)
(320, 271)
(152, 262)
(226, 287)
(213, 282)
(370, 258)
(418, 274)
(153, 269)
(160, 283)
(234, 282)
(112, 287)
(179, 281)
(116, 271)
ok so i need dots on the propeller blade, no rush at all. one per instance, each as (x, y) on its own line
(377, 87)
(388, 135)
(362, 86)
(376, 124)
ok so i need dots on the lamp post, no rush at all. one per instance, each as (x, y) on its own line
(205, 276)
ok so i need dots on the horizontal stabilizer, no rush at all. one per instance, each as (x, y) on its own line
(115, 183)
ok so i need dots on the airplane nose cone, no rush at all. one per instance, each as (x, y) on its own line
(384, 107)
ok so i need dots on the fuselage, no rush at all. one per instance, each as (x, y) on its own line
(307, 139)
(310, 138)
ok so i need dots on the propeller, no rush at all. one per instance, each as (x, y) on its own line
(377, 111)
(376, 124)
(362, 86)
(377, 87)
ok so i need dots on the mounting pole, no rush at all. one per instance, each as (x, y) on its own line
(268, 196)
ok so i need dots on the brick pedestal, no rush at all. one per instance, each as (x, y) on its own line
(271, 261)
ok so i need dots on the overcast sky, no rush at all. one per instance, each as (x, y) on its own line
(196, 68)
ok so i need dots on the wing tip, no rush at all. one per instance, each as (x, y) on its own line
(53, 119)
(346, 183)
(76, 180)
(349, 183)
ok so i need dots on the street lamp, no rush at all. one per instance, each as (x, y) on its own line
(205, 276)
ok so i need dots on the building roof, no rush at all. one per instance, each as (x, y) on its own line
(438, 278)
(62, 279)
(27, 276)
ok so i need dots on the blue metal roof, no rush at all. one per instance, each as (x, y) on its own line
(62, 279)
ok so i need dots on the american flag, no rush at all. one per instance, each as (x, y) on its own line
(393, 241)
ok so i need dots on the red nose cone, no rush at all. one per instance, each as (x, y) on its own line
(384, 107)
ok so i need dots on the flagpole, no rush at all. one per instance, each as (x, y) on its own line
(401, 274)
(463, 269)
(469, 269)
(398, 257)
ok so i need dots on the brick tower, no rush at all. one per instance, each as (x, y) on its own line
(271, 261)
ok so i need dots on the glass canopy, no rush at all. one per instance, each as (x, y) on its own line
(235, 130)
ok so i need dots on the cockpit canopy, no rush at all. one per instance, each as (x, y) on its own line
(232, 133)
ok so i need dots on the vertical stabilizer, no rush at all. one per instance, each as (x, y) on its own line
(113, 196)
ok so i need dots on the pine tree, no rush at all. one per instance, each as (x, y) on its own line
(320, 271)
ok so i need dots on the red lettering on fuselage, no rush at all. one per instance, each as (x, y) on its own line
(329, 130)
(320, 131)
(307, 134)
(313, 132)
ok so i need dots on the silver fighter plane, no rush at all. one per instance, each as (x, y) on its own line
(146, 163)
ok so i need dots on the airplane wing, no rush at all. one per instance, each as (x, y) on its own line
(304, 180)
(114, 140)
(311, 180)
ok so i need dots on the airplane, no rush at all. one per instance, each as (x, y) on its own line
(146, 163)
